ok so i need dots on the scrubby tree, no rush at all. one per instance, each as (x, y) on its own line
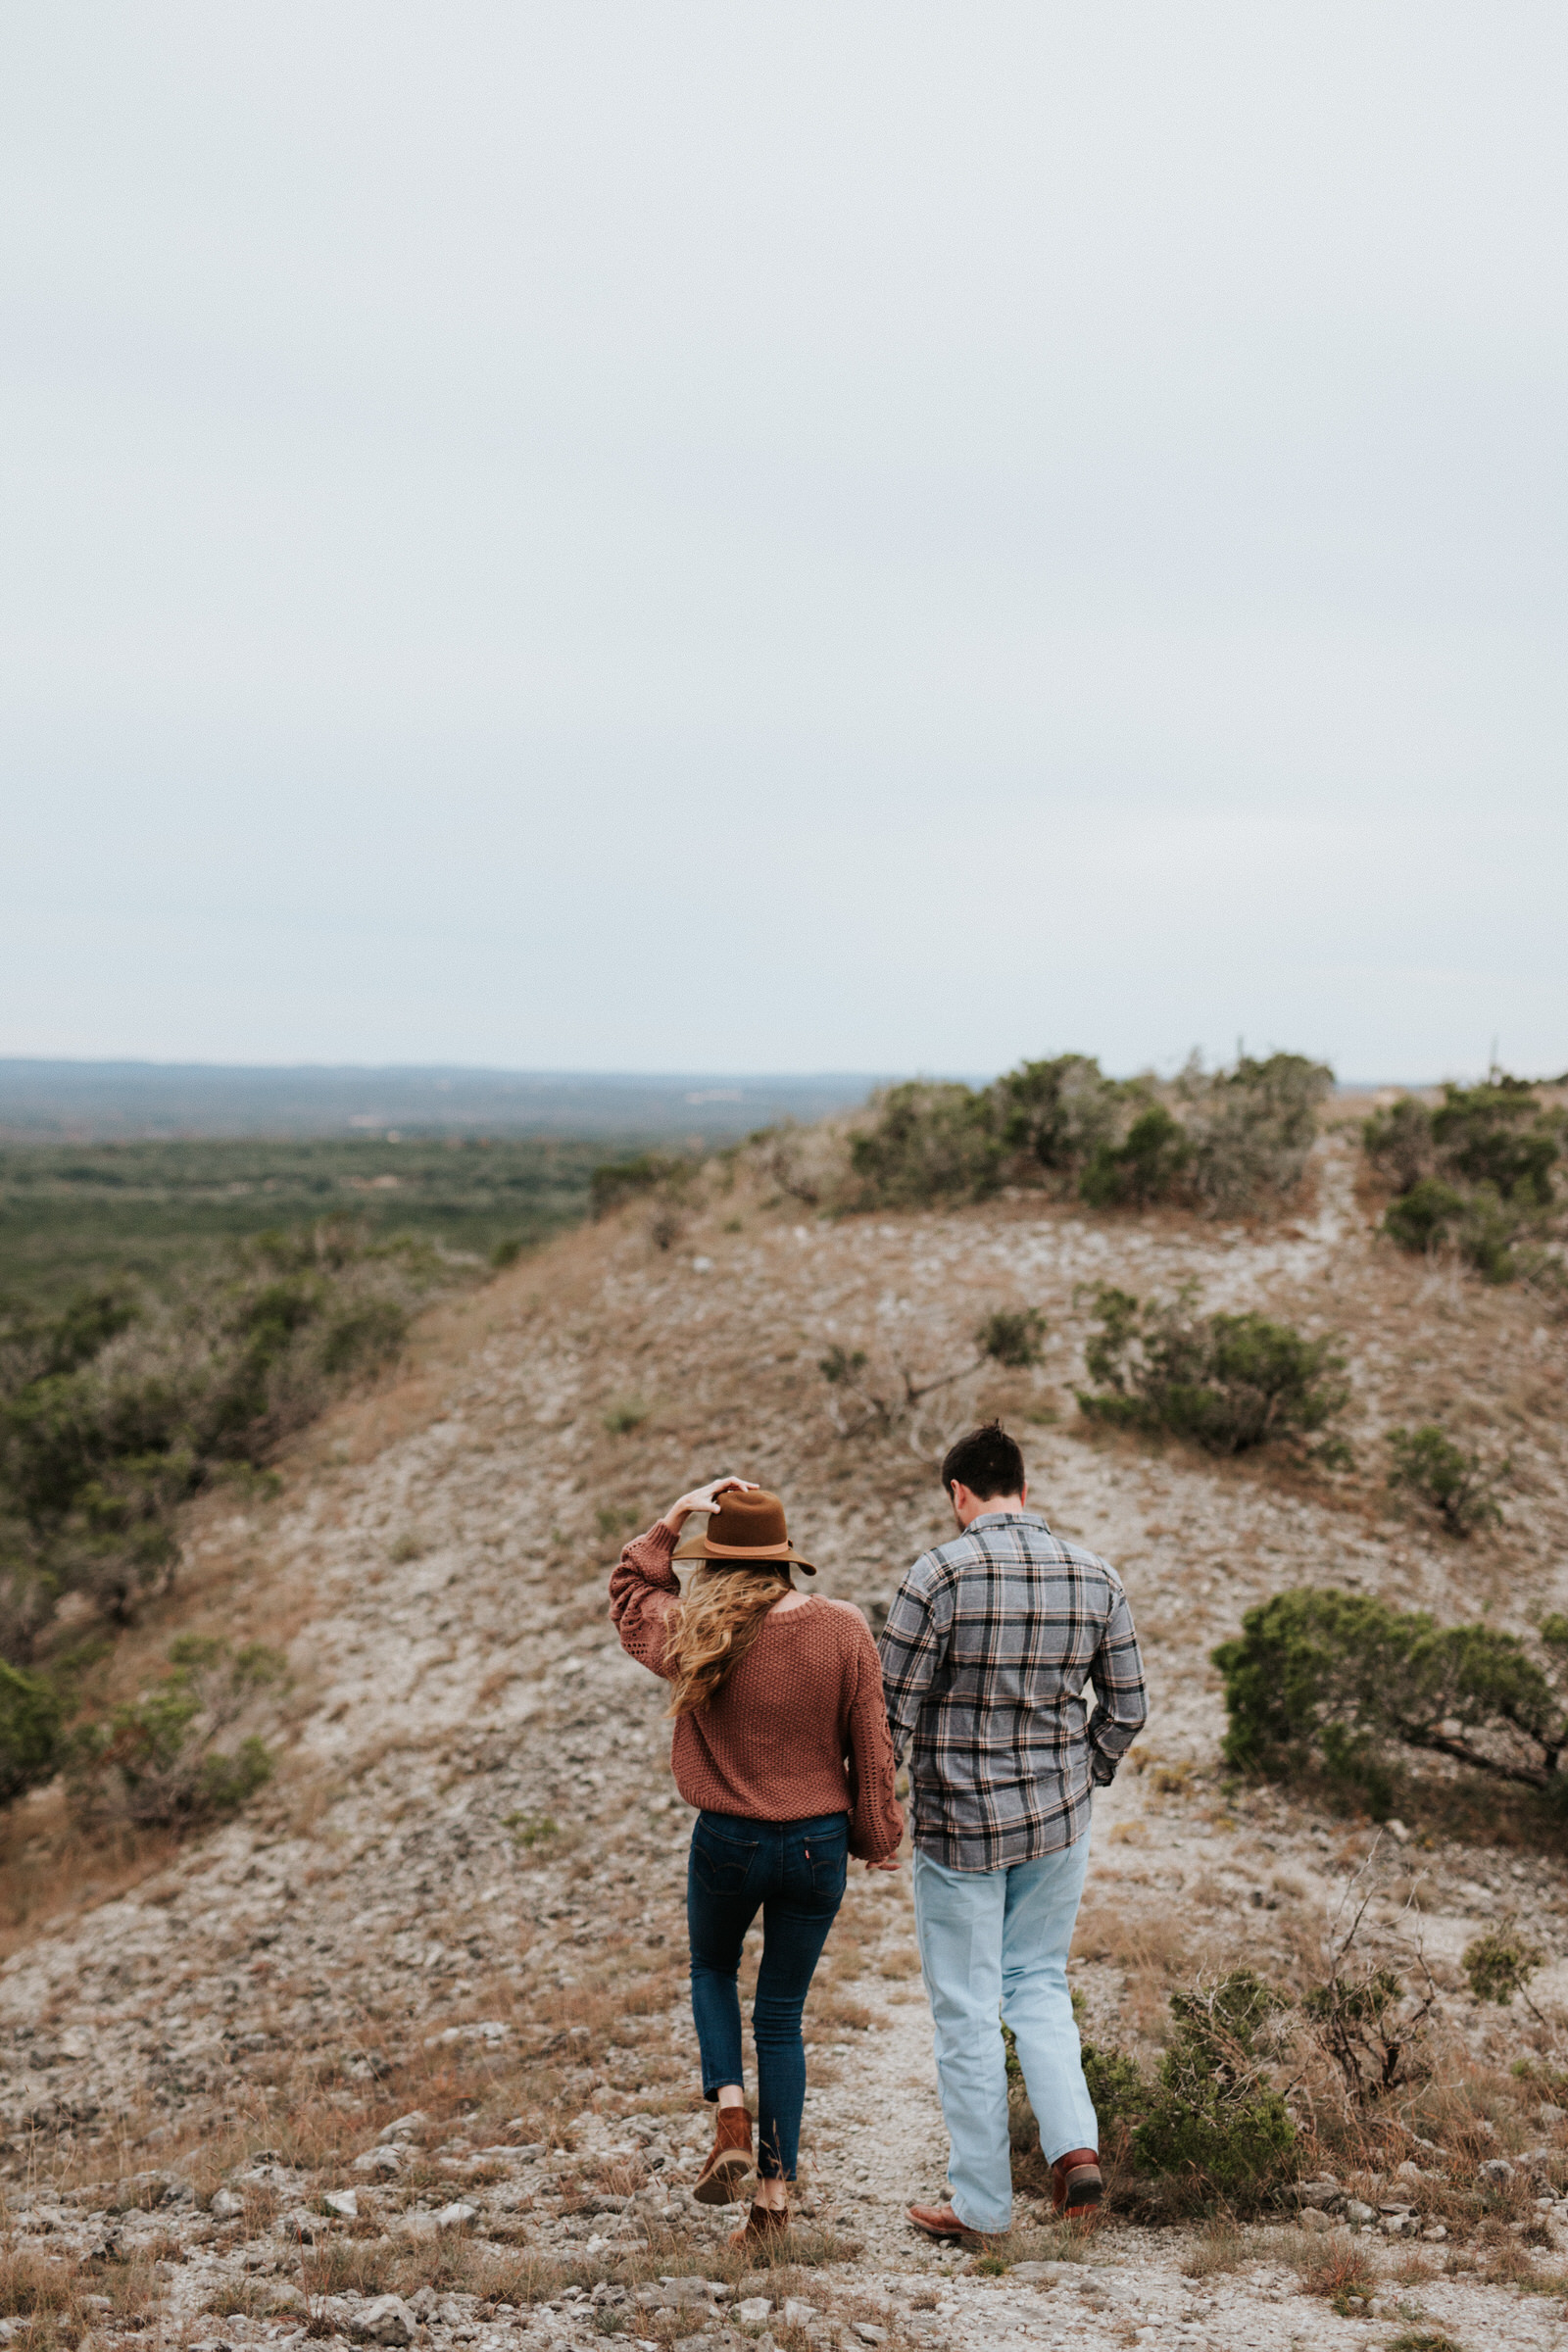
(1215, 2119)
(1501, 1963)
(1227, 1382)
(1343, 1682)
(1473, 1173)
(929, 1144)
(1457, 1484)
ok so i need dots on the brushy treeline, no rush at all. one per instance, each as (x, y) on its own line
(1223, 1142)
(119, 1409)
(1473, 1173)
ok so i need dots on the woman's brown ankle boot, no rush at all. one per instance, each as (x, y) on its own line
(723, 2179)
(762, 2224)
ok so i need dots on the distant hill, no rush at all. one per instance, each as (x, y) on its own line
(126, 1099)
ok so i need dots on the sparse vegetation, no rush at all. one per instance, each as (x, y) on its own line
(1011, 1338)
(1226, 1382)
(1501, 1963)
(618, 1180)
(1472, 1172)
(159, 1760)
(1371, 2027)
(929, 1144)
(1457, 1485)
(1215, 2123)
(31, 1714)
(1116, 2083)
(1342, 2275)
(114, 1410)
(1145, 1166)
(1226, 1142)
(1340, 1679)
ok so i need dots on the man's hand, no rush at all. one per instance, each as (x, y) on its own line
(891, 1864)
(704, 1499)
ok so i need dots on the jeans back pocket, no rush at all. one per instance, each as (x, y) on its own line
(722, 1863)
(827, 1855)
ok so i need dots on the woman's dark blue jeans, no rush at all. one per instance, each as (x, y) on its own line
(794, 1871)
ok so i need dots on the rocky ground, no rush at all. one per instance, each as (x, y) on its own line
(403, 2053)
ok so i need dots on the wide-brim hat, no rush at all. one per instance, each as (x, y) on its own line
(746, 1531)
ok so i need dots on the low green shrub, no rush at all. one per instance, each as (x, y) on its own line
(1481, 1228)
(1148, 1165)
(1010, 1339)
(164, 1759)
(363, 1337)
(1398, 1142)
(1115, 2083)
(1429, 1213)
(1250, 1129)
(1457, 1485)
(1341, 1682)
(1227, 1382)
(1498, 1134)
(1474, 1172)
(930, 1144)
(619, 1180)
(1053, 1117)
(1501, 1963)
(31, 1718)
(1214, 2119)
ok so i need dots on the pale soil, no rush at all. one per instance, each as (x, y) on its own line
(253, 2014)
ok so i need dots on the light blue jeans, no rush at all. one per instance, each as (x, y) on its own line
(996, 1942)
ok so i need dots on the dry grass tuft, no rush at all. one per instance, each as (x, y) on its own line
(1339, 2271)
(1223, 2246)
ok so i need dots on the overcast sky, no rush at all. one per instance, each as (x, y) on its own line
(784, 537)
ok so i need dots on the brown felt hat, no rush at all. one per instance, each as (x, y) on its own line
(746, 1531)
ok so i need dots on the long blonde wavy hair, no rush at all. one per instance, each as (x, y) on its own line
(720, 1616)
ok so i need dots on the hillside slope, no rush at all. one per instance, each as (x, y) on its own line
(463, 1901)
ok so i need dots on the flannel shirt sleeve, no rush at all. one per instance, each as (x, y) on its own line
(1121, 1705)
(913, 1648)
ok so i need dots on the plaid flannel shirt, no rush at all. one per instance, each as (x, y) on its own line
(985, 1656)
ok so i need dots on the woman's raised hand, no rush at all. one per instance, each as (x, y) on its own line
(704, 1499)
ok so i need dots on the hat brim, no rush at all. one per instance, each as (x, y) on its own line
(698, 1549)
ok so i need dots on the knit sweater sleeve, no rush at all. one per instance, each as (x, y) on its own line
(876, 1818)
(644, 1592)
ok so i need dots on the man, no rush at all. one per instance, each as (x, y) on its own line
(985, 1657)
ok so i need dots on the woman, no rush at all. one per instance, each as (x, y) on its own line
(781, 1741)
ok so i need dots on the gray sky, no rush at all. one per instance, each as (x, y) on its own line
(782, 538)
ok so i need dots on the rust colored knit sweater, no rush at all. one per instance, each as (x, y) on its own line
(799, 1729)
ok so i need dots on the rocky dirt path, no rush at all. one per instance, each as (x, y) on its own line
(403, 2053)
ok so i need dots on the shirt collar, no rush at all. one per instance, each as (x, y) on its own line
(1005, 1519)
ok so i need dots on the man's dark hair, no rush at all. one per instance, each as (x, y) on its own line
(987, 1461)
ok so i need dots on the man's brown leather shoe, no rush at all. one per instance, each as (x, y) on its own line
(1076, 2183)
(724, 2178)
(940, 2221)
